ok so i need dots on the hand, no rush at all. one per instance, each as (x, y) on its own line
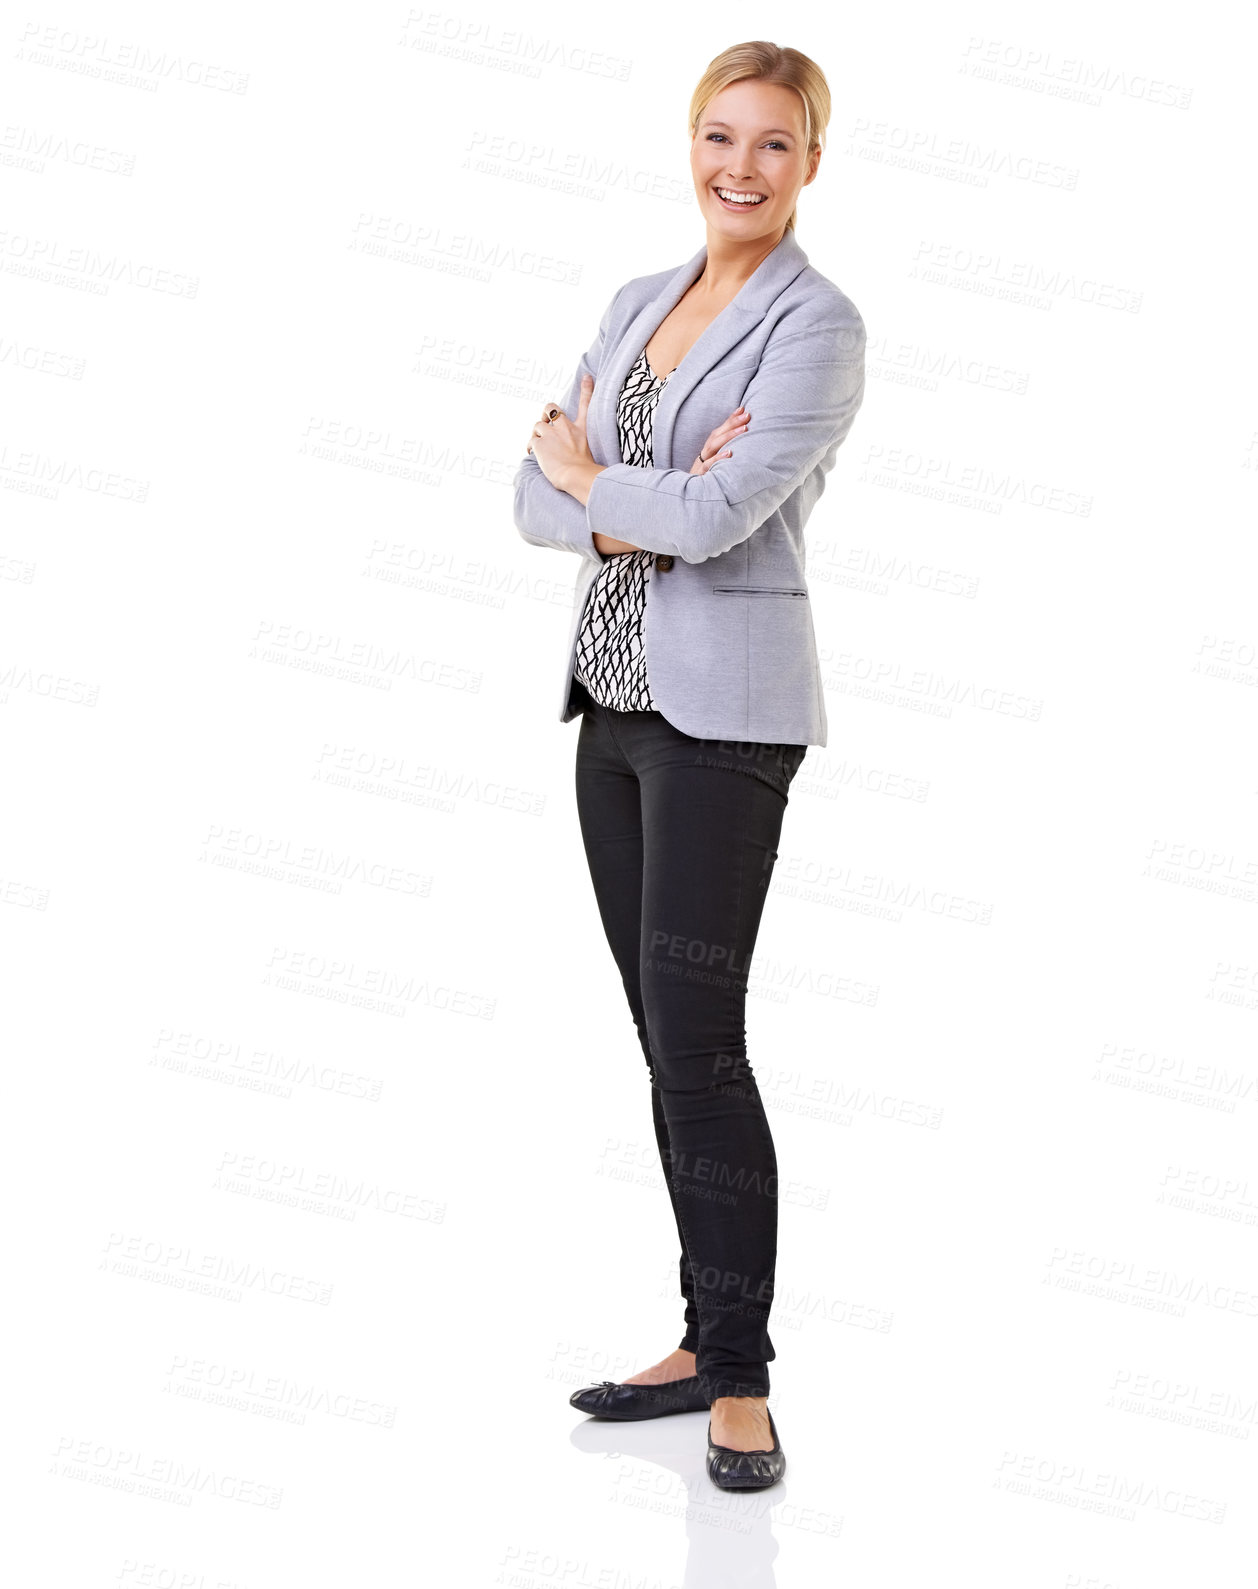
(710, 452)
(558, 443)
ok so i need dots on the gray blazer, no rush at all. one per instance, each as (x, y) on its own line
(728, 631)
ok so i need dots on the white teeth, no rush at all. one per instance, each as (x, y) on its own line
(740, 198)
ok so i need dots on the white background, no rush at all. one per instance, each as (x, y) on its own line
(331, 1169)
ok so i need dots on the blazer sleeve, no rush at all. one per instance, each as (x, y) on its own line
(802, 401)
(544, 515)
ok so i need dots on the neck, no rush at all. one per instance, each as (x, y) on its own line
(730, 265)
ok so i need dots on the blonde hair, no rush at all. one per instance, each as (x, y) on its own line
(769, 63)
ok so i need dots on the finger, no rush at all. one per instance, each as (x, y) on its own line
(583, 402)
(724, 428)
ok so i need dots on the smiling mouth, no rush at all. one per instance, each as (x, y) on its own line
(749, 201)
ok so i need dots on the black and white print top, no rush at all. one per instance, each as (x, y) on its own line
(610, 659)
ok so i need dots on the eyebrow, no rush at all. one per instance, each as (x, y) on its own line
(767, 130)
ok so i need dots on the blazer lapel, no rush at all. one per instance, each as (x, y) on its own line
(749, 305)
(618, 361)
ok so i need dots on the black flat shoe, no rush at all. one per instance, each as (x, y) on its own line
(745, 1470)
(610, 1400)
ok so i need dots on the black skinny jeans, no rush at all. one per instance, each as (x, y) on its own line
(681, 837)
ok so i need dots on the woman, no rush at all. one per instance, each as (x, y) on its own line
(683, 466)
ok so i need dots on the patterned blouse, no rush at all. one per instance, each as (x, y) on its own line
(610, 658)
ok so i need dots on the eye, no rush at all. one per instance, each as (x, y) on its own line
(775, 143)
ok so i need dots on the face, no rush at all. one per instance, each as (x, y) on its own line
(750, 140)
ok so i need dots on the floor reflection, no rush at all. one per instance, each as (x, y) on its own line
(659, 1466)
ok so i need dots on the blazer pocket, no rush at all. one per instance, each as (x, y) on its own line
(758, 590)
